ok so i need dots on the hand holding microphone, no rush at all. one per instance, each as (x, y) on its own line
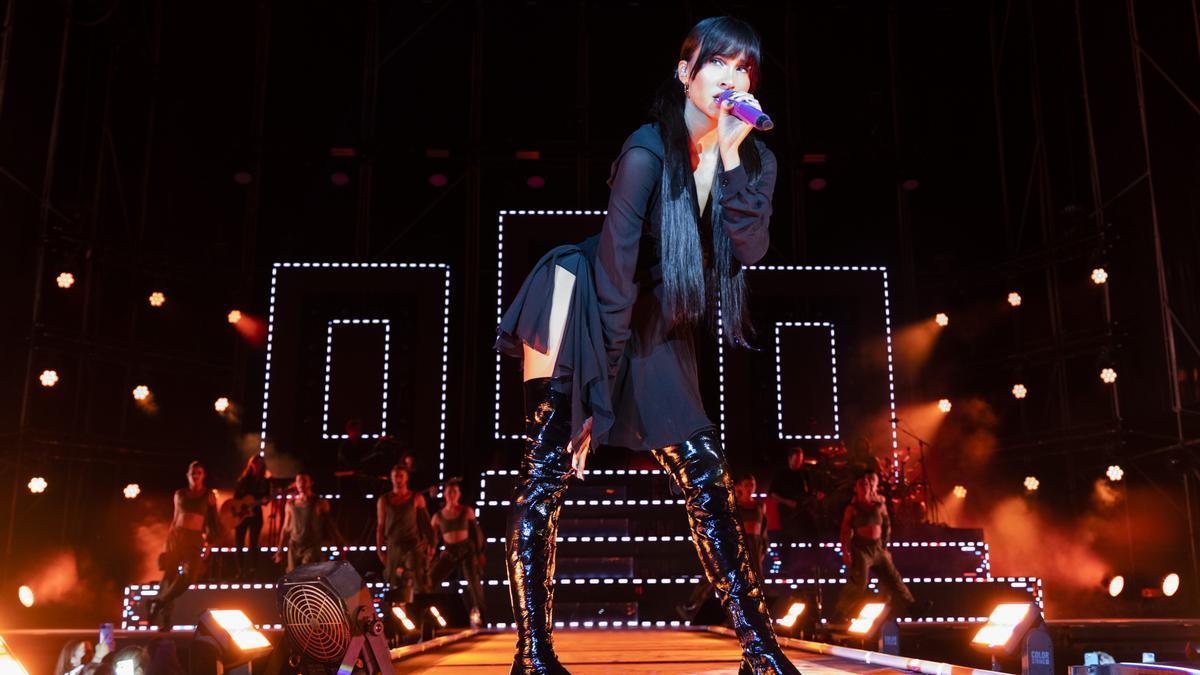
(746, 110)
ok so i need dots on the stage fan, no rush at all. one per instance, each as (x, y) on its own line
(329, 618)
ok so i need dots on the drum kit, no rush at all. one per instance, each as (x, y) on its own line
(902, 481)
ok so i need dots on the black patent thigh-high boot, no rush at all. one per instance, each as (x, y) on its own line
(699, 467)
(533, 525)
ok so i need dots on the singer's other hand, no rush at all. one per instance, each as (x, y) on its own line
(731, 131)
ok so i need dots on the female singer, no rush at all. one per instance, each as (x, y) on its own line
(606, 331)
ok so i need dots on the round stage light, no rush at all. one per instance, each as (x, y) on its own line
(221, 404)
(960, 492)
(1116, 585)
(243, 177)
(1099, 276)
(536, 182)
(942, 319)
(25, 595)
(944, 405)
(817, 184)
(1014, 299)
(132, 490)
(65, 280)
(37, 485)
(48, 378)
(1032, 483)
(234, 316)
(1114, 473)
(157, 299)
(1108, 375)
(1019, 391)
(141, 392)
(438, 180)
(339, 178)
(1170, 584)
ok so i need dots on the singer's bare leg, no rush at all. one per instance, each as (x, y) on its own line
(537, 364)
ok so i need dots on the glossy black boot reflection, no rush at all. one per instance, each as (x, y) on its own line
(698, 466)
(533, 525)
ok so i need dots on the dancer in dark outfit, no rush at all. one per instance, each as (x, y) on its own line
(606, 331)
(866, 529)
(252, 492)
(183, 561)
(456, 527)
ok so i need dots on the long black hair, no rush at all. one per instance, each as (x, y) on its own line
(692, 288)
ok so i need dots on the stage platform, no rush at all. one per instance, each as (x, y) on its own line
(619, 651)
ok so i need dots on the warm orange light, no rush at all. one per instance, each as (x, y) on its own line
(944, 405)
(1170, 584)
(241, 631)
(942, 319)
(793, 614)
(157, 299)
(1108, 375)
(437, 615)
(960, 492)
(1031, 483)
(9, 665)
(1116, 585)
(398, 612)
(65, 280)
(1099, 276)
(48, 378)
(141, 392)
(37, 485)
(1001, 625)
(234, 316)
(1115, 473)
(864, 623)
(25, 595)
(1019, 391)
(132, 490)
(221, 404)
(1014, 299)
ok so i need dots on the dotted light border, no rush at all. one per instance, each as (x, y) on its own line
(779, 326)
(262, 443)
(387, 353)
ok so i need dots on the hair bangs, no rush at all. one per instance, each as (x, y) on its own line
(723, 36)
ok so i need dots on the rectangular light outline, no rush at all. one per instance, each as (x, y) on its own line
(387, 349)
(779, 326)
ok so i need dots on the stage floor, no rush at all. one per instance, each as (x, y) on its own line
(586, 652)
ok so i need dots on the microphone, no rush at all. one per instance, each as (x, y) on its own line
(747, 113)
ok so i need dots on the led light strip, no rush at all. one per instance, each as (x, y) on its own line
(387, 350)
(603, 625)
(500, 292)
(262, 443)
(779, 326)
(964, 545)
(593, 581)
(597, 540)
(887, 326)
(593, 502)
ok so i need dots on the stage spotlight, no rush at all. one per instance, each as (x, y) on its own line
(1115, 473)
(227, 636)
(1014, 299)
(65, 280)
(157, 299)
(141, 392)
(1108, 375)
(944, 405)
(234, 316)
(221, 404)
(48, 378)
(243, 177)
(1014, 626)
(339, 178)
(9, 665)
(942, 319)
(433, 610)
(1019, 391)
(793, 614)
(398, 612)
(910, 184)
(960, 492)
(132, 490)
(25, 595)
(1031, 483)
(1115, 586)
(37, 485)
(817, 184)
(536, 182)
(438, 180)
(1170, 584)
(1099, 276)
(868, 618)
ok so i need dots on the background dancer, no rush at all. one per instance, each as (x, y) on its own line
(402, 526)
(606, 330)
(455, 526)
(183, 560)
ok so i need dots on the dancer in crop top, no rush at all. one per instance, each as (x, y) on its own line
(866, 529)
(458, 530)
(183, 560)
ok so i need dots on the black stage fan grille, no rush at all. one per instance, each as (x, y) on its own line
(316, 623)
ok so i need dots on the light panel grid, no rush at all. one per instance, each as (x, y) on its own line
(275, 269)
(387, 353)
(779, 326)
